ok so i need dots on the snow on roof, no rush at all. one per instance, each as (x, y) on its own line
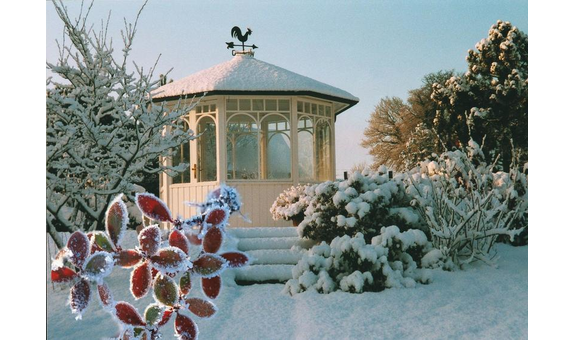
(244, 73)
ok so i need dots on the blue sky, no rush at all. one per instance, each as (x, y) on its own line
(372, 49)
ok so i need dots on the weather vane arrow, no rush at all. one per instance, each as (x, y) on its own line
(237, 33)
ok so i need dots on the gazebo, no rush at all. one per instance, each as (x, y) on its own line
(264, 129)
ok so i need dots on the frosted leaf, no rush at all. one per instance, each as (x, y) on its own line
(62, 274)
(201, 308)
(211, 286)
(116, 220)
(236, 259)
(100, 239)
(209, 265)
(153, 314)
(149, 239)
(154, 208)
(98, 266)
(185, 327)
(105, 295)
(185, 284)
(166, 317)
(141, 280)
(217, 217)
(128, 314)
(170, 260)
(128, 258)
(165, 290)
(212, 240)
(177, 239)
(79, 247)
(79, 297)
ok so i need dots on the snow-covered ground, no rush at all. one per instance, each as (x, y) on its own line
(478, 303)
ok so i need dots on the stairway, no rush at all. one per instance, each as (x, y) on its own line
(273, 251)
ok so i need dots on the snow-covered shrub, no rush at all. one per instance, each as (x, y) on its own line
(360, 204)
(164, 267)
(290, 204)
(465, 205)
(392, 259)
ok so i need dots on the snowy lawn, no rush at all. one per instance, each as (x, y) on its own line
(479, 303)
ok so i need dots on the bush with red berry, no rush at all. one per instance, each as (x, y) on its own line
(166, 268)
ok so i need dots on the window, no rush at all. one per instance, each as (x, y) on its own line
(207, 169)
(277, 147)
(323, 150)
(242, 147)
(182, 155)
(305, 148)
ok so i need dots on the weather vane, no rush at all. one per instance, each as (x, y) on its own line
(237, 33)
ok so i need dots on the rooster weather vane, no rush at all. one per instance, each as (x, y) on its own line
(237, 33)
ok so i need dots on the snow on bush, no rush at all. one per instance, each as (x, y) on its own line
(290, 204)
(466, 206)
(360, 204)
(163, 267)
(393, 259)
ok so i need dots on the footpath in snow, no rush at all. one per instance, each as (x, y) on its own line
(479, 303)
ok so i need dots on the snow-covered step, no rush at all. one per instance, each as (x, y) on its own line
(274, 256)
(245, 244)
(264, 273)
(263, 232)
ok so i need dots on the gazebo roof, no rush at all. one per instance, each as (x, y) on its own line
(244, 74)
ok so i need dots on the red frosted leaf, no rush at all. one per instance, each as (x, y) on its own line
(169, 260)
(185, 283)
(150, 238)
(177, 239)
(153, 207)
(116, 220)
(165, 318)
(217, 216)
(128, 314)
(186, 328)
(235, 259)
(201, 308)
(62, 274)
(165, 290)
(128, 258)
(213, 240)
(79, 297)
(105, 295)
(193, 238)
(209, 265)
(79, 247)
(211, 286)
(141, 280)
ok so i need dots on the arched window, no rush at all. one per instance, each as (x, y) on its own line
(305, 148)
(207, 168)
(323, 150)
(276, 147)
(182, 155)
(242, 147)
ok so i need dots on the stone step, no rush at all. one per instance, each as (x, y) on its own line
(259, 232)
(263, 273)
(246, 244)
(274, 256)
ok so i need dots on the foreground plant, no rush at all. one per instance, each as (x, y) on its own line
(166, 268)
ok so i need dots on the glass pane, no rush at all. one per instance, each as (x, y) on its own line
(182, 155)
(328, 111)
(242, 148)
(299, 106)
(258, 104)
(323, 154)
(314, 109)
(245, 105)
(306, 107)
(277, 147)
(206, 108)
(212, 107)
(232, 104)
(199, 109)
(321, 110)
(283, 105)
(207, 156)
(271, 105)
(305, 149)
